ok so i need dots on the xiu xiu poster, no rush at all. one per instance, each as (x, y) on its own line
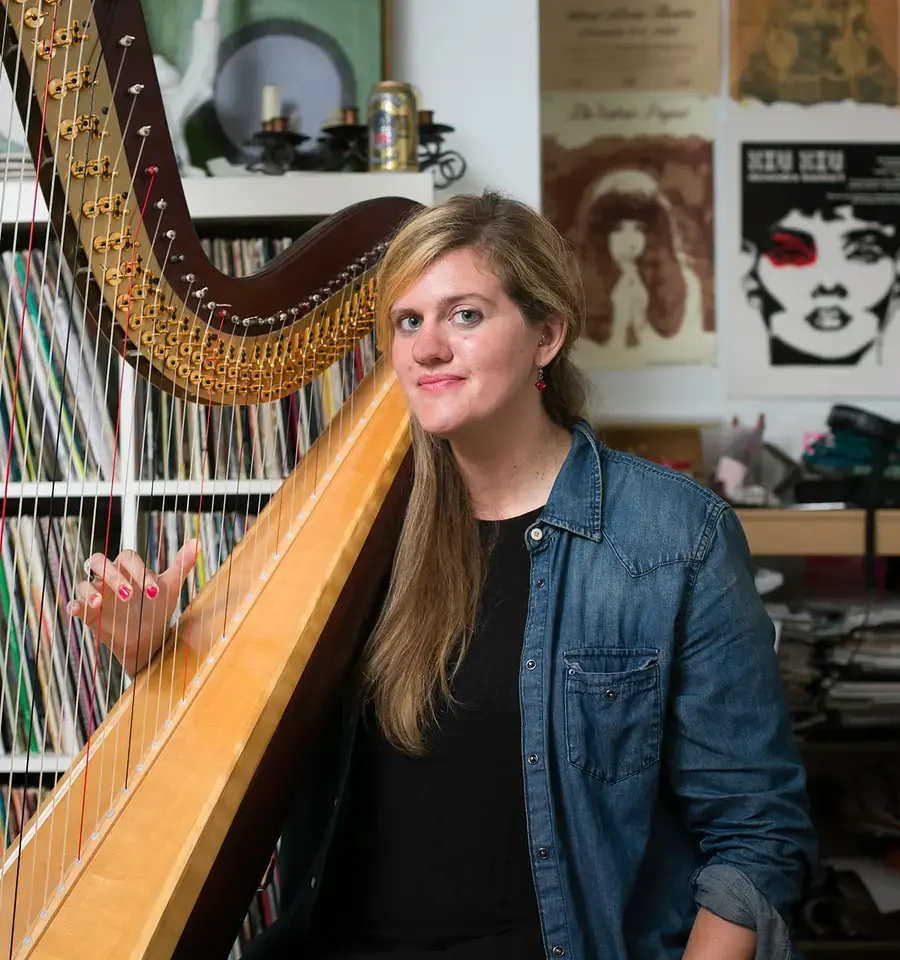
(814, 298)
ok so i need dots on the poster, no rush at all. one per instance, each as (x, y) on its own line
(608, 45)
(814, 277)
(814, 52)
(628, 179)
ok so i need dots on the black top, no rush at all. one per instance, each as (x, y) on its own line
(431, 855)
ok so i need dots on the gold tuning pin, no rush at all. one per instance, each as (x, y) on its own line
(69, 128)
(73, 80)
(113, 206)
(33, 17)
(120, 240)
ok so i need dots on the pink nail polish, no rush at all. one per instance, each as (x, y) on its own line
(152, 590)
(124, 592)
(95, 600)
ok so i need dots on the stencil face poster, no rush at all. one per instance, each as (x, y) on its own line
(628, 179)
(820, 235)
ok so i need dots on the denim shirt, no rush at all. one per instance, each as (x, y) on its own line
(660, 769)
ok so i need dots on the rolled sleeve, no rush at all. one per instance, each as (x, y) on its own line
(729, 894)
(731, 756)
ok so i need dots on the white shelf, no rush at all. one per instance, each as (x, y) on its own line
(50, 763)
(48, 490)
(256, 196)
(211, 488)
(58, 490)
(300, 194)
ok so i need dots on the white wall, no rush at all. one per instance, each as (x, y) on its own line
(475, 63)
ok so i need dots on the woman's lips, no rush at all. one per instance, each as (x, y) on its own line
(434, 382)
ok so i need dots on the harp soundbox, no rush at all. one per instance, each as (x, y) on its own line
(152, 842)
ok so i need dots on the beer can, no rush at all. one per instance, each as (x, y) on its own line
(393, 127)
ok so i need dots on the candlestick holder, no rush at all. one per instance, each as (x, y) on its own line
(279, 148)
(449, 165)
(344, 146)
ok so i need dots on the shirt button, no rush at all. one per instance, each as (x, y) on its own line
(558, 951)
(531, 664)
(611, 694)
(532, 758)
(537, 534)
(539, 583)
(543, 853)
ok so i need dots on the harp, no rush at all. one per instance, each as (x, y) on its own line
(164, 822)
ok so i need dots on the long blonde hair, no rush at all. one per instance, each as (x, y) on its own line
(432, 603)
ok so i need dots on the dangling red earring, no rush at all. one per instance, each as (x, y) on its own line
(541, 384)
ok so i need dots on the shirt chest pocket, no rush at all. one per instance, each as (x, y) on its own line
(612, 711)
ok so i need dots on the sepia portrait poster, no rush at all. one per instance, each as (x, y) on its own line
(628, 179)
(814, 51)
(815, 279)
(608, 45)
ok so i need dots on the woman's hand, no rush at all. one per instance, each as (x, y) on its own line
(128, 606)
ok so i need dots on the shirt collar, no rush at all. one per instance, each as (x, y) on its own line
(575, 500)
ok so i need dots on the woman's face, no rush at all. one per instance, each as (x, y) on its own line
(627, 242)
(829, 279)
(463, 353)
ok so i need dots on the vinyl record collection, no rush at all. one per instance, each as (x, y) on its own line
(60, 426)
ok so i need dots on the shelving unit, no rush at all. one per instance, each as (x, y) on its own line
(817, 533)
(830, 533)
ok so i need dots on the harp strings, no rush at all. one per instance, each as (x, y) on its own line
(53, 603)
(93, 683)
(116, 444)
(130, 612)
(14, 402)
(20, 525)
(137, 469)
(33, 527)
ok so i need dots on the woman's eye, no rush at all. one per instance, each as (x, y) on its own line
(467, 315)
(410, 324)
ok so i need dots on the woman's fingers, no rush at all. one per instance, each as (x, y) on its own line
(88, 605)
(112, 577)
(120, 579)
(136, 570)
(89, 594)
(185, 561)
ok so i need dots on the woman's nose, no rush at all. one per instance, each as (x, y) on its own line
(431, 344)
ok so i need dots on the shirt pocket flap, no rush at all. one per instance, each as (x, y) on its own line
(605, 668)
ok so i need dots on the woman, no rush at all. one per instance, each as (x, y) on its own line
(567, 737)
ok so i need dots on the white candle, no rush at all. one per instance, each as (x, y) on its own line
(271, 106)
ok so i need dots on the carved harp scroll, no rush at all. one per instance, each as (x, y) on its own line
(152, 841)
